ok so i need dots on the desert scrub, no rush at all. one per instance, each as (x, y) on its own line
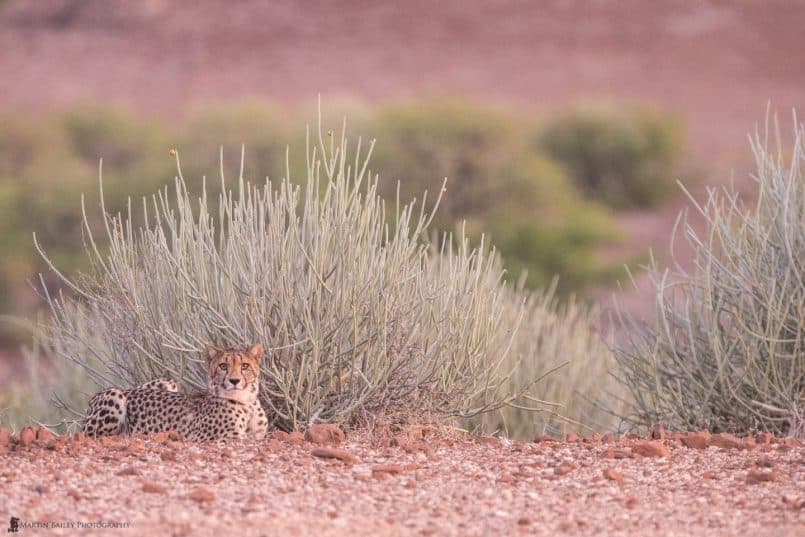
(726, 350)
(574, 362)
(627, 159)
(360, 316)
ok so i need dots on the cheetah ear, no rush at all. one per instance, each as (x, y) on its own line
(210, 352)
(256, 352)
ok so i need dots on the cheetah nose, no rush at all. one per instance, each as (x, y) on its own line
(234, 381)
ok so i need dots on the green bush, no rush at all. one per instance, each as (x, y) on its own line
(626, 160)
(726, 350)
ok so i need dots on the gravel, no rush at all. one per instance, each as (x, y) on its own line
(418, 483)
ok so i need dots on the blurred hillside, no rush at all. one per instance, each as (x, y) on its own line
(717, 63)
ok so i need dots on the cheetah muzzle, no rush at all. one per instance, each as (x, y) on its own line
(230, 408)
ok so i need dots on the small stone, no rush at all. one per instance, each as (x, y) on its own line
(544, 438)
(389, 469)
(333, 453)
(632, 502)
(128, 470)
(43, 436)
(726, 441)
(764, 438)
(571, 437)
(168, 456)
(5, 437)
(27, 436)
(296, 437)
(279, 435)
(154, 488)
(613, 475)
(759, 476)
(698, 440)
(325, 434)
(609, 437)
(564, 468)
(492, 441)
(73, 493)
(201, 495)
(523, 521)
(765, 462)
(611, 453)
(650, 449)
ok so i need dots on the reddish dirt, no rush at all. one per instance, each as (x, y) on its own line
(410, 486)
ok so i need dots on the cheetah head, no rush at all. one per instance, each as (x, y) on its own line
(234, 373)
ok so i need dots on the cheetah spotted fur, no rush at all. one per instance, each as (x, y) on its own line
(230, 409)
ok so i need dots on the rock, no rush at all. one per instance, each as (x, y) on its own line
(201, 495)
(73, 493)
(698, 440)
(765, 462)
(564, 468)
(389, 469)
(764, 438)
(632, 502)
(793, 501)
(595, 438)
(5, 437)
(658, 432)
(726, 441)
(523, 521)
(492, 441)
(154, 488)
(544, 438)
(609, 437)
(333, 453)
(571, 437)
(649, 448)
(324, 434)
(758, 476)
(27, 436)
(168, 456)
(128, 470)
(613, 475)
(611, 453)
(296, 437)
(279, 435)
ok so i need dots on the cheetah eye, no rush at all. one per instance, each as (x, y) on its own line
(244, 367)
(222, 367)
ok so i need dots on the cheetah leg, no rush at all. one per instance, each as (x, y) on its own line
(258, 423)
(106, 414)
(165, 384)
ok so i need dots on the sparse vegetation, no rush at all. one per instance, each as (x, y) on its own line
(362, 313)
(498, 183)
(726, 350)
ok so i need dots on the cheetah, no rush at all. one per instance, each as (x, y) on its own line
(230, 408)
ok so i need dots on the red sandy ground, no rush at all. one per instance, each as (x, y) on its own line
(411, 484)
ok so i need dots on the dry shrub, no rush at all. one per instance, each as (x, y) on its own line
(726, 350)
(361, 311)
